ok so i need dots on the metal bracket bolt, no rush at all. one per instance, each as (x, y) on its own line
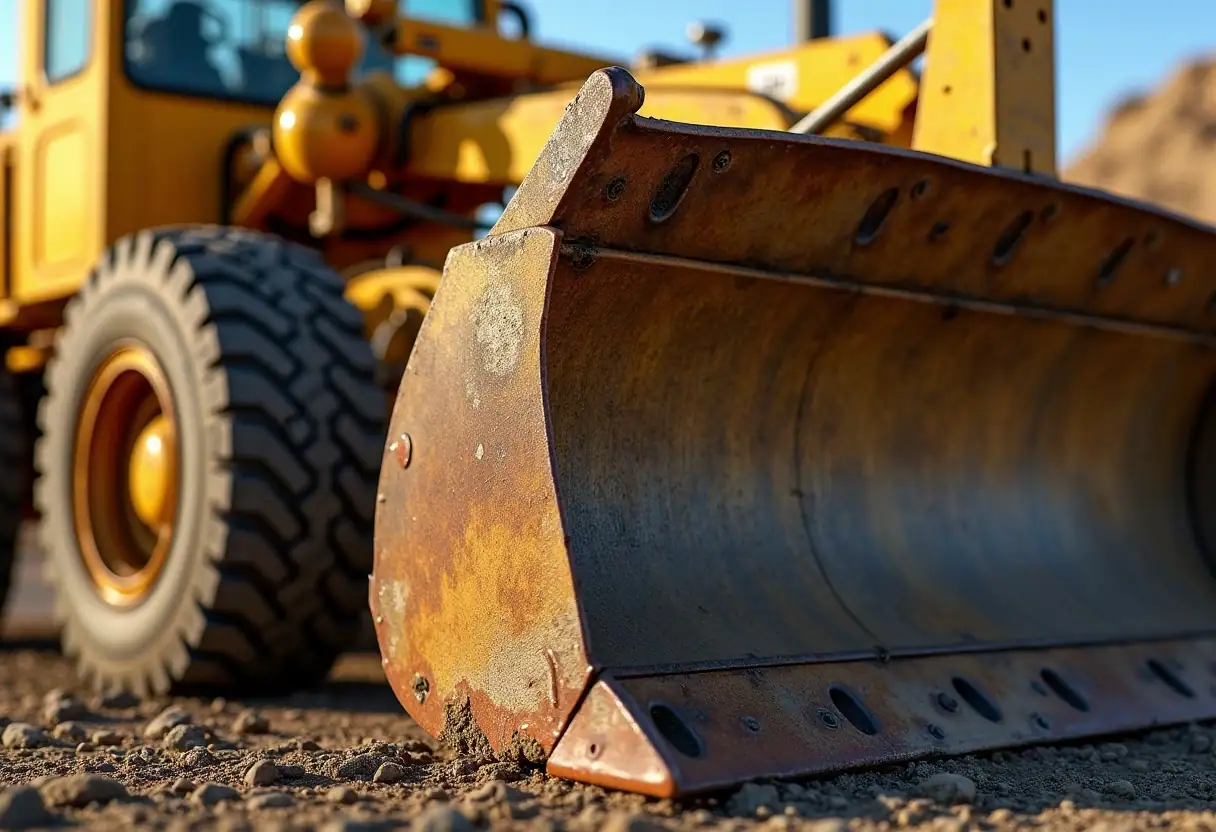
(403, 448)
(615, 189)
(421, 688)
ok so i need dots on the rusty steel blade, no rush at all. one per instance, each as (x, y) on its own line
(717, 418)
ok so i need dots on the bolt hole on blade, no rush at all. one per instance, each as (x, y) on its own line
(981, 702)
(1171, 679)
(852, 709)
(675, 730)
(1112, 263)
(1064, 690)
(874, 217)
(1008, 242)
(672, 188)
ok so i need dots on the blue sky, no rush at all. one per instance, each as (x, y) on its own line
(1104, 48)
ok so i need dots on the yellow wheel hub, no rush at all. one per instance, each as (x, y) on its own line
(151, 475)
(125, 475)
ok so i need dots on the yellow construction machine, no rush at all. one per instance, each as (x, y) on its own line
(213, 267)
(737, 453)
(729, 452)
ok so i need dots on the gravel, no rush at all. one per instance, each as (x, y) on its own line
(165, 721)
(210, 794)
(23, 735)
(346, 757)
(250, 722)
(262, 773)
(80, 790)
(184, 738)
(21, 807)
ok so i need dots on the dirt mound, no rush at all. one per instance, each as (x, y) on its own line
(1160, 147)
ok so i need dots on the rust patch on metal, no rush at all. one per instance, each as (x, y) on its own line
(476, 592)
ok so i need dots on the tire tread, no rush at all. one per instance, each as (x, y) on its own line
(14, 472)
(306, 422)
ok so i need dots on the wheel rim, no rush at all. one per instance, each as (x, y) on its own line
(393, 339)
(125, 471)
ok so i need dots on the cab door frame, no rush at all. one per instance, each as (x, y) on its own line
(59, 185)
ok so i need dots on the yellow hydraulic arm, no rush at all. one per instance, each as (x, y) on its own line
(444, 133)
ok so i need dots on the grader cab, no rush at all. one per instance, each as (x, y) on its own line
(213, 269)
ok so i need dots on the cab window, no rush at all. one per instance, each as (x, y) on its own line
(451, 12)
(235, 49)
(69, 31)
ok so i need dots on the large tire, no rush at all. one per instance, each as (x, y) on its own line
(14, 476)
(280, 428)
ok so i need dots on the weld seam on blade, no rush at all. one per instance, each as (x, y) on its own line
(905, 654)
(928, 296)
(805, 393)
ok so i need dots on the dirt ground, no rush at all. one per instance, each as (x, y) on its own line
(346, 757)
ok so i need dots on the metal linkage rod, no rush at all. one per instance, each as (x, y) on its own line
(907, 50)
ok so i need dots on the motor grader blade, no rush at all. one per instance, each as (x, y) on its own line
(733, 454)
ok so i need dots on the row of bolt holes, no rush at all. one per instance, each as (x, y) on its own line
(685, 740)
(673, 186)
(1007, 243)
